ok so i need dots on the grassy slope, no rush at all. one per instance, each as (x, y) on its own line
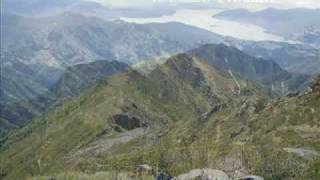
(162, 99)
(72, 82)
(194, 118)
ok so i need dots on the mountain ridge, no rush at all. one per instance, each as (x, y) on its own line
(73, 38)
(72, 82)
(228, 60)
(180, 88)
(185, 106)
(267, 73)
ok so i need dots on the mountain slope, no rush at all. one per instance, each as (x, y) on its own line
(22, 82)
(70, 39)
(296, 58)
(82, 76)
(74, 80)
(291, 125)
(228, 60)
(37, 48)
(183, 90)
(266, 73)
(183, 115)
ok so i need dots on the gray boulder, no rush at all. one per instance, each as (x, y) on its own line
(205, 174)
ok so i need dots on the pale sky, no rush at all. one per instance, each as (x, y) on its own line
(227, 3)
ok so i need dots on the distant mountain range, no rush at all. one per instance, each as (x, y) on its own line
(70, 39)
(296, 58)
(36, 51)
(42, 8)
(194, 110)
(293, 24)
(42, 48)
(36, 7)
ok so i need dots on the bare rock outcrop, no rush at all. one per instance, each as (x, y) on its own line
(206, 174)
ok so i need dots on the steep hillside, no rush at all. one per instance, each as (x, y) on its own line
(22, 82)
(292, 126)
(127, 112)
(228, 60)
(74, 80)
(296, 58)
(185, 114)
(82, 76)
(266, 73)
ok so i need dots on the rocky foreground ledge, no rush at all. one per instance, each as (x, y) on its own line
(212, 174)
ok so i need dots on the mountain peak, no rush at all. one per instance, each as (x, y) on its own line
(267, 73)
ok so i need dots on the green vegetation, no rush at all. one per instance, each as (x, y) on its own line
(72, 82)
(187, 115)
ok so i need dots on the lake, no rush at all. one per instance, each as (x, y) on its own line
(204, 19)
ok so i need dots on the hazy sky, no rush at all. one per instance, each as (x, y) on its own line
(226, 3)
